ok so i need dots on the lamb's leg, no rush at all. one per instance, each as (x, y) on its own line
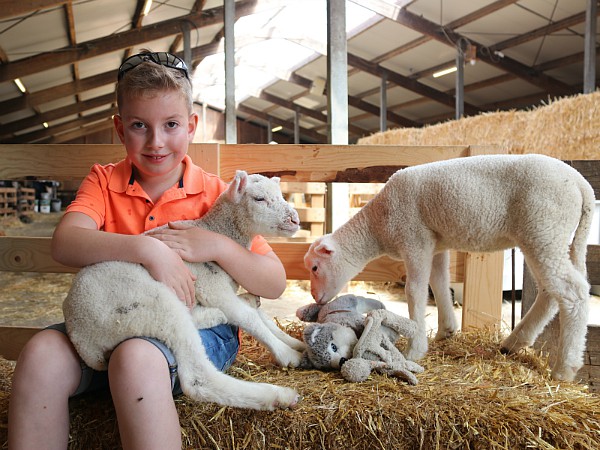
(561, 288)
(239, 312)
(417, 293)
(573, 310)
(440, 285)
(203, 382)
(291, 341)
(543, 309)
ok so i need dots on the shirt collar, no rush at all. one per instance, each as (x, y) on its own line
(192, 181)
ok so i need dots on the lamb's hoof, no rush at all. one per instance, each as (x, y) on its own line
(288, 399)
(415, 354)
(444, 334)
(292, 359)
(564, 373)
(505, 351)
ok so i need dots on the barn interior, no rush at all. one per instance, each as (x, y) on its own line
(513, 76)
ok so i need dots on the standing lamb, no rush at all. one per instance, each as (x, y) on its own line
(112, 301)
(476, 204)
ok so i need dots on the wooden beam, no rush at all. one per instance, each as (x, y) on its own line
(12, 8)
(37, 98)
(75, 108)
(449, 37)
(119, 41)
(313, 135)
(408, 83)
(45, 135)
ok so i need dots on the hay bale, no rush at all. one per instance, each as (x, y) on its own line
(566, 128)
(470, 396)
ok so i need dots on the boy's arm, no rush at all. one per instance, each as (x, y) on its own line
(77, 242)
(262, 275)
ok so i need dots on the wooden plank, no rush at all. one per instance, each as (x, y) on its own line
(13, 339)
(590, 169)
(206, 156)
(29, 254)
(311, 214)
(288, 187)
(593, 263)
(382, 269)
(482, 296)
(330, 163)
(55, 161)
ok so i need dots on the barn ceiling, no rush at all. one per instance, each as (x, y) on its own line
(66, 54)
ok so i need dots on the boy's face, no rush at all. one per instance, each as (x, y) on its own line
(156, 130)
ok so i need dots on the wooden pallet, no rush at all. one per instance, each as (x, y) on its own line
(25, 200)
(8, 201)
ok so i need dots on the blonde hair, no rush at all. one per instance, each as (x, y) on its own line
(149, 78)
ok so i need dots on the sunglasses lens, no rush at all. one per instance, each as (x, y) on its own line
(160, 58)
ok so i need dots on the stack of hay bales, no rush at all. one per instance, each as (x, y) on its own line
(567, 128)
(469, 397)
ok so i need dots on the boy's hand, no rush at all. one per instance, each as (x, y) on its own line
(168, 268)
(192, 244)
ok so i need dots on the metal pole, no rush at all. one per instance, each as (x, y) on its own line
(383, 103)
(337, 69)
(589, 58)
(337, 106)
(187, 46)
(230, 115)
(460, 81)
(296, 126)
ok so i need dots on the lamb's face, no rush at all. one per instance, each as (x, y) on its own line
(328, 273)
(328, 344)
(270, 213)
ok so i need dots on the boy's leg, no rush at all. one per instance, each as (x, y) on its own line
(140, 385)
(142, 374)
(47, 373)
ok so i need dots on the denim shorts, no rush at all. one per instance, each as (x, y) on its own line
(221, 344)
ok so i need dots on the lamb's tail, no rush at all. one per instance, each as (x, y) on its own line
(201, 380)
(579, 244)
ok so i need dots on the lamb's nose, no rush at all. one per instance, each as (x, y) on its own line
(294, 218)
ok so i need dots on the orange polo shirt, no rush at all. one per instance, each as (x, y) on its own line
(112, 197)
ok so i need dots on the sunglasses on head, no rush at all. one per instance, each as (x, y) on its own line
(160, 58)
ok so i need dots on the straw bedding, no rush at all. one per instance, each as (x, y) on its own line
(470, 396)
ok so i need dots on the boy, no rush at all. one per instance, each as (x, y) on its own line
(157, 183)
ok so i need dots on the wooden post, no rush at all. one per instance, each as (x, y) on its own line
(482, 295)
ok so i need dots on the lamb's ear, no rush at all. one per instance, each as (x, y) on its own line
(238, 186)
(276, 179)
(324, 248)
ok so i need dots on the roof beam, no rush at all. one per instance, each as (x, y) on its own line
(45, 134)
(313, 135)
(118, 41)
(12, 8)
(305, 111)
(407, 83)
(448, 36)
(56, 114)
(34, 99)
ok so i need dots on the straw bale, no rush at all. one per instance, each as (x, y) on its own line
(470, 396)
(565, 128)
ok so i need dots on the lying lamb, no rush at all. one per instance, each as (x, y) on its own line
(477, 204)
(112, 301)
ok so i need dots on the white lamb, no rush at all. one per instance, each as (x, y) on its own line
(112, 301)
(477, 204)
